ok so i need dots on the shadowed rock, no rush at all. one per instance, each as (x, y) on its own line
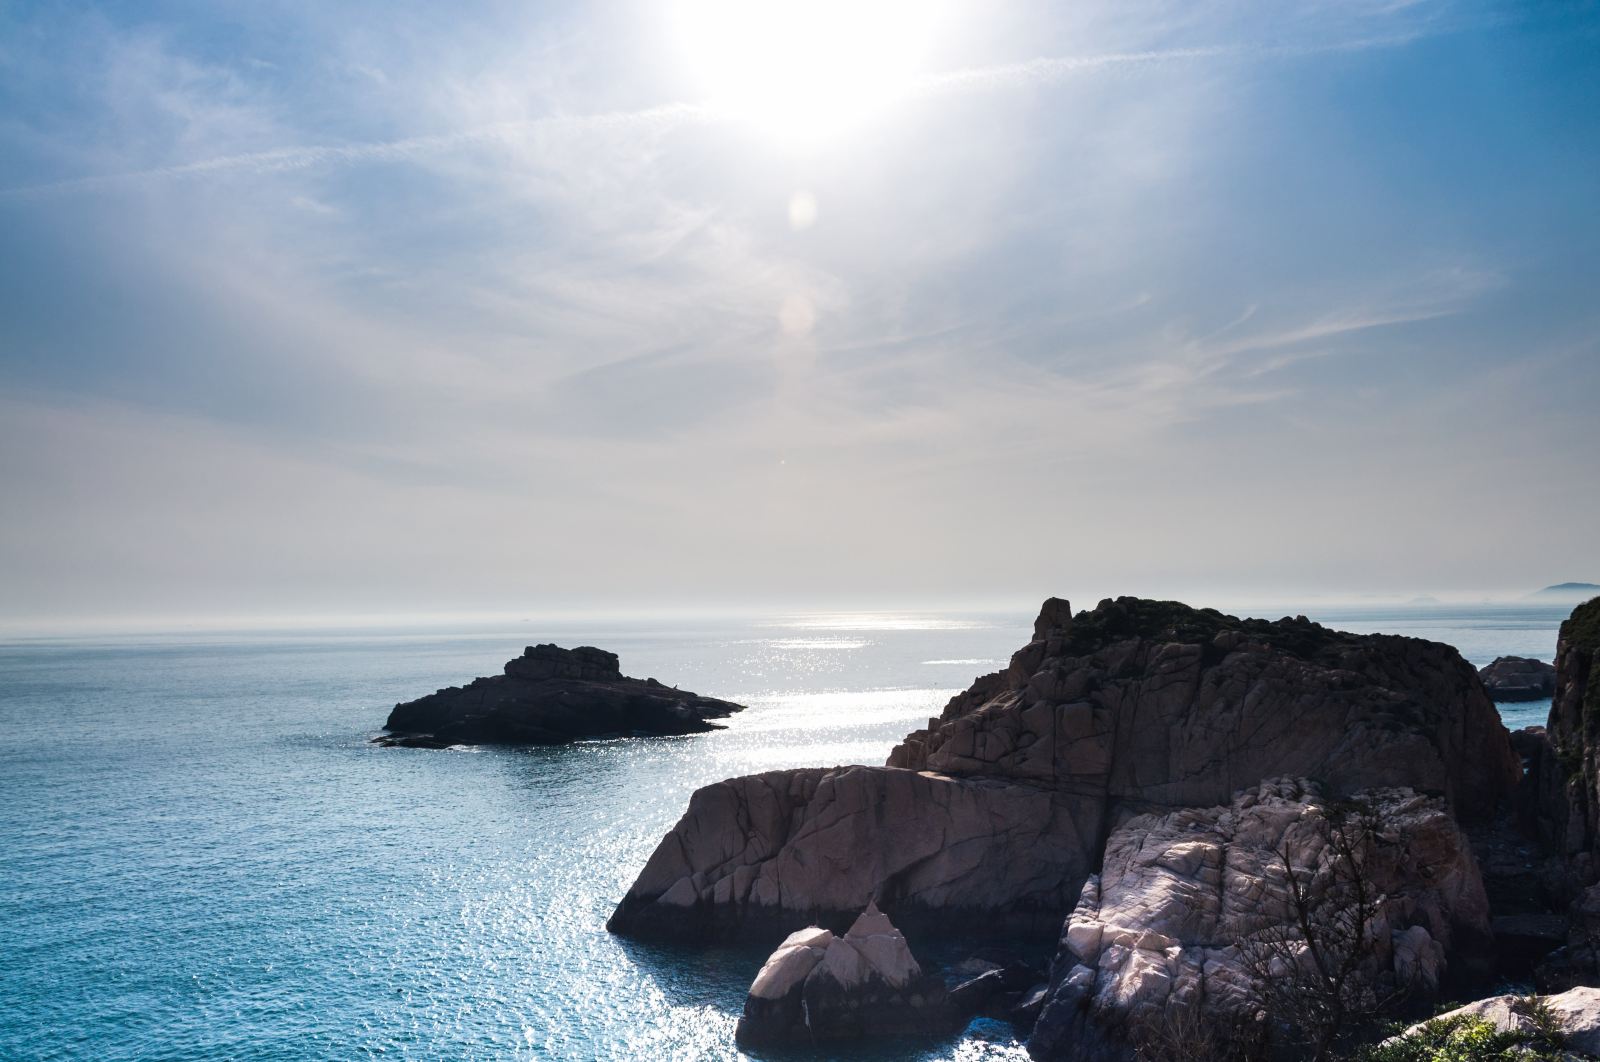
(1517, 678)
(1574, 730)
(766, 853)
(549, 696)
(1158, 703)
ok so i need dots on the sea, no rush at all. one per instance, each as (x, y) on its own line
(202, 856)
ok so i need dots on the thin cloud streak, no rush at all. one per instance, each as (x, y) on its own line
(281, 160)
(1051, 69)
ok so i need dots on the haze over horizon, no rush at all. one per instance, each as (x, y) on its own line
(344, 309)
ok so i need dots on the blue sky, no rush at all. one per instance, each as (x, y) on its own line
(363, 307)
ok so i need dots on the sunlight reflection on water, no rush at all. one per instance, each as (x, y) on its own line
(205, 857)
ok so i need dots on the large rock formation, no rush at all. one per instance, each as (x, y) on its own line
(1158, 704)
(1574, 733)
(1518, 678)
(996, 813)
(549, 696)
(1156, 937)
(767, 852)
(818, 987)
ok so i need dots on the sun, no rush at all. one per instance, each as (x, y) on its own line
(804, 71)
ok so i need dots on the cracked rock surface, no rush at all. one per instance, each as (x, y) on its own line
(1158, 930)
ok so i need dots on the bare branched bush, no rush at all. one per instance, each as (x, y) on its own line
(1191, 1034)
(1317, 975)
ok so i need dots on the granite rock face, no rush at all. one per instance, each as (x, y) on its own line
(1156, 935)
(995, 814)
(818, 987)
(1518, 678)
(549, 696)
(1154, 703)
(768, 852)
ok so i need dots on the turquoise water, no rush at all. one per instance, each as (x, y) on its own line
(205, 859)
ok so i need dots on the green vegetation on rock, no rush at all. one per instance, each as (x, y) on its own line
(1582, 628)
(1467, 1039)
(1133, 617)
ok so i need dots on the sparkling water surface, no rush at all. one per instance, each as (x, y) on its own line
(205, 859)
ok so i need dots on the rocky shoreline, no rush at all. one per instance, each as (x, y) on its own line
(1167, 791)
(550, 696)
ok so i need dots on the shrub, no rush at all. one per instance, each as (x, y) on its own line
(1464, 1039)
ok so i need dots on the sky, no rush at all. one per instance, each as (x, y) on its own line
(370, 308)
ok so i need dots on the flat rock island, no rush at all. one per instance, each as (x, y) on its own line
(550, 696)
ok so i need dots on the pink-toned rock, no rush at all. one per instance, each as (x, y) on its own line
(993, 815)
(1158, 929)
(818, 986)
(818, 845)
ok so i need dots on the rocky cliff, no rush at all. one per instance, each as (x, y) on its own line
(996, 813)
(548, 696)
(1574, 732)
(1155, 703)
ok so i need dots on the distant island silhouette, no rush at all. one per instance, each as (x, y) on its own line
(1569, 590)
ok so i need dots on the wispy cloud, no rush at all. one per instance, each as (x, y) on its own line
(484, 312)
(666, 116)
(279, 160)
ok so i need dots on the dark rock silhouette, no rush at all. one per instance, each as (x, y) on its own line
(1573, 814)
(549, 696)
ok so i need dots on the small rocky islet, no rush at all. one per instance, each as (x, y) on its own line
(1518, 678)
(551, 696)
(1127, 794)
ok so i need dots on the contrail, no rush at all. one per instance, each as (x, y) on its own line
(1033, 71)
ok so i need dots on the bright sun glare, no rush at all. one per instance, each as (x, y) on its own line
(804, 70)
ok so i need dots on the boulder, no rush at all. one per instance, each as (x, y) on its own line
(993, 815)
(549, 696)
(819, 987)
(1156, 937)
(1518, 678)
(1575, 1013)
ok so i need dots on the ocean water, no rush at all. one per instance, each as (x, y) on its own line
(204, 858)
